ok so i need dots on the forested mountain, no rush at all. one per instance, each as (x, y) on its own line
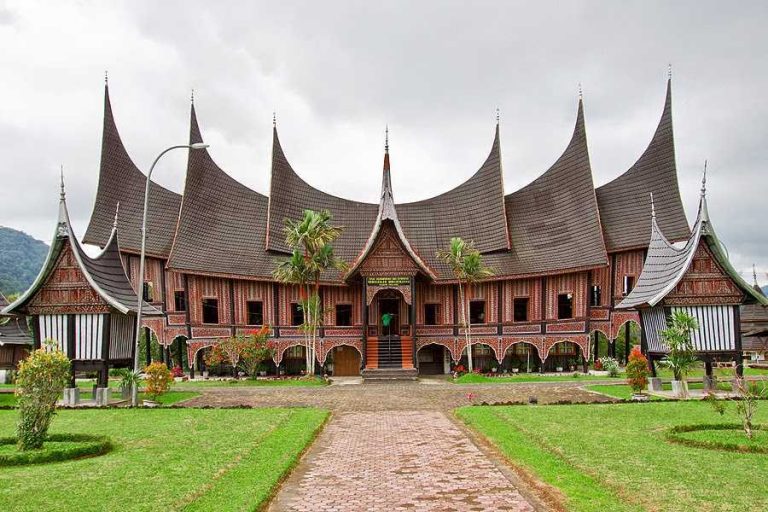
(21, 257)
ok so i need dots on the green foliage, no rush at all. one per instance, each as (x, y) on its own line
(58, 447)
(677, 336)
(637, 370)
(21, 257)
(128, 378)
(40, 379)
(257, 347)
(610, 365)
(467, 266)
(158, 379)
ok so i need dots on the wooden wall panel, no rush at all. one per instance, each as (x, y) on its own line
(208, 288)
(257, 291)
(435, 294)
(333, 295)
(530, 288)
(567, 283)
(602, 278)
(174, 282)
(628, 263)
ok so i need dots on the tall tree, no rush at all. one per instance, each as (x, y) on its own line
(311, 239)
(467, 266)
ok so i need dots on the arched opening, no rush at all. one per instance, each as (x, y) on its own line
(389, 343)
(564, 356)
(483, 358)
(294, 361)
(176, 353)
(343, 361)
(522, 358)
(434, 359)
(603, 346)
(150, 349)
(628, 337)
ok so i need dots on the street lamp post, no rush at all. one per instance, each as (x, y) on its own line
(140, 291)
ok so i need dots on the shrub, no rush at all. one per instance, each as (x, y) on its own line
(228, 351)
(610, 365)
(677, 337)
(637, 370)
(256, 348)
(158, 378)
(177, 371)
(39, 380)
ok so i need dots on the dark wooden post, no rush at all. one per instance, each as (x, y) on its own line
(276, 309)
(500, 311)
(71, 348)
(36, 332)
(148, 344)
(626, 342)
(708, 366)
(106, 342)
(187, 312)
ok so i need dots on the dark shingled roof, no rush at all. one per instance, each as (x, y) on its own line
(290, 195)
(665, 265)
(553, 221)
(473, 211)
(15, 332)
(121, 181)
(624, 207)
(105, 272)
(222, 224)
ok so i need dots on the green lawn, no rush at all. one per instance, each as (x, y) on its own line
(614, 456)
(262, 382)
(165, 459)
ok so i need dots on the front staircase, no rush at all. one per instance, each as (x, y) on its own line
(389, 359)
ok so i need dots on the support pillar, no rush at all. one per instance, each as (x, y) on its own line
(739, 365)
(626, 342)
(148, 345)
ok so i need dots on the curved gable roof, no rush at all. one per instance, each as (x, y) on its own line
(120, 181)
(222, 223)
(473, 211)
(624, 207)
(553, 221)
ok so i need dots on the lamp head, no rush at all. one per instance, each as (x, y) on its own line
(199, 145)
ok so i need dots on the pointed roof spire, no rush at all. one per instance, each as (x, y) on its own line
(754, 276)
(704, 181)
(498, 116)
(653, 208)
(669, 71)
(274, 119)
(192, 96)
(117, 211)
(62, 194)
(106, 78)
(581, 93)
(387, 182)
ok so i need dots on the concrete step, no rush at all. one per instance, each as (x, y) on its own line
(389, 374)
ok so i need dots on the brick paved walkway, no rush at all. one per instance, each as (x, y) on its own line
(413, 396)
(406, 460)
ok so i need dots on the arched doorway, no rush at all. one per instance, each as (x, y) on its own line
(294, 360)
(522, 358)
(389, 342)
(343, 361)
(434, 359)
(483, 358)
(564, 356)
(177, 353)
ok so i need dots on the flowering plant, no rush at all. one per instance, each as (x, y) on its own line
(158, 379)
(610, 365)
(177, 371)
(637, 370)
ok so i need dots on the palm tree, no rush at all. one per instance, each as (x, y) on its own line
(294, 270)
(310, 238)
(466, 262)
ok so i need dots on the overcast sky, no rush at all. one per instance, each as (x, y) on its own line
(336, 72)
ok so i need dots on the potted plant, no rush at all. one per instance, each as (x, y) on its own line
(637, 374)
(610, 365)
(128, 378)
(680, 359)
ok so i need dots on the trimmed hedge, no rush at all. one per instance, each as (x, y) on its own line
(90, 446)
(672, 436)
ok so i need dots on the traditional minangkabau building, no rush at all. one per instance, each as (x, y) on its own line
(695, 278)
(15, 340)
(85, 305)
(564, 255)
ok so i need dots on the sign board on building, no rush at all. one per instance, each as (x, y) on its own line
(389, 281)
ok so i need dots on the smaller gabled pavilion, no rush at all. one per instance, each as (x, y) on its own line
(696, 278)
(85, 306)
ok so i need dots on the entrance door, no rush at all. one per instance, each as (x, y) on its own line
(392, 307)
(346, 362)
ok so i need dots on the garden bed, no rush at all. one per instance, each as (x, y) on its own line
(57, 447)
(721, 436)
